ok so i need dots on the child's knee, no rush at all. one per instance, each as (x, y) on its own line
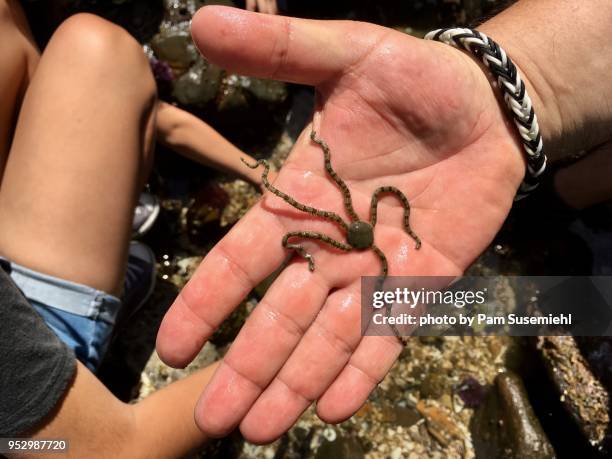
(106, 48)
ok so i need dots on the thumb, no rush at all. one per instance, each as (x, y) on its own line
(296, 50)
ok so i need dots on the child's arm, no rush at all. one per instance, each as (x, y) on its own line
(96, 424)
(193, 138)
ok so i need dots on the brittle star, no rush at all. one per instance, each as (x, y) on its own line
(359, 234)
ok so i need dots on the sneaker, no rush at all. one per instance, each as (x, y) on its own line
(139, 281)
(145, 214)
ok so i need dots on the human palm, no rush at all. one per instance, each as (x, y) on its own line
(394, 110)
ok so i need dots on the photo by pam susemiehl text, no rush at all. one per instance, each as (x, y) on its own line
(495, 305)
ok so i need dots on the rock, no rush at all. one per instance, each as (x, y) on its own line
(471, 392)
(506, 426)
(269, 91)
(178, 11)
(237, 91)
(228, 330)
(440, 423)
(183, 269)
(580, 392)
(204, 214)
(434, 384)
(174, 46)
(341, 447)
(597, 350)
(199, 85)
(231, 96)
(406, 417)
(520, 422)
(242, 196)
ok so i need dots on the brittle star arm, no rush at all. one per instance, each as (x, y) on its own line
(312, 235)
(379, 287)
(405, 203)
(346, 193)
(289, 200)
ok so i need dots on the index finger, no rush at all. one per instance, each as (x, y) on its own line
(240, 261)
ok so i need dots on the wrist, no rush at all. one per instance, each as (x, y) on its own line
(253, 177)
(557, 47)
(511, 94)
(542, 94)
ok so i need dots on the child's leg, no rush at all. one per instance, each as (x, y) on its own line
(78, 156)
(18, 58)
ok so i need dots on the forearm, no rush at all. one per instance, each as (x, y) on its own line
(96, 424)
(165, 419)
(191, 137)
(559, 48)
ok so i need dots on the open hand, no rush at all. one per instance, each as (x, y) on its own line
(395, 110)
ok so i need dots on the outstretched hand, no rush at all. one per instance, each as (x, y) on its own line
(395, 110)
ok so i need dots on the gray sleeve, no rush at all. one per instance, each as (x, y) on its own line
(35, 366)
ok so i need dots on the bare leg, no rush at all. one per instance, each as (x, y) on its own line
(78, 155)
(18, 58)
(311, 235)
(405, 203)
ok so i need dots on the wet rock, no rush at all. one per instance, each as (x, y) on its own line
(174, 46)
(434, 385)
(406, 417)
(237, 91)
(506, 426)
(183, 269)
(580, 392)
(242, 196)
(199, 85)
(340, 447)
(269, 91)
(471, 392)
(204, 214)
(281, 150)
(440, 423)
(178, 11)
(597, 351)
(229, 329)
(432, 340)
(231, 96)
(520, 422)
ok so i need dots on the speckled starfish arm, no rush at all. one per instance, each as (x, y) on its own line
(291, 201)
(402, 197)
(346, 193)
(312, 235)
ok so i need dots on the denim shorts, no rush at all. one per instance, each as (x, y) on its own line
(81, 316)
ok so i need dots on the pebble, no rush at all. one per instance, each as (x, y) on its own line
(330, 433)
